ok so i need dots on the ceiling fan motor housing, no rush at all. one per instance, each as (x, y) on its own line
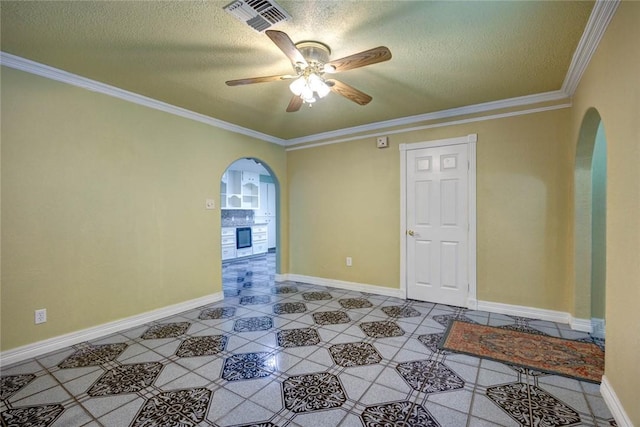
(314, 52)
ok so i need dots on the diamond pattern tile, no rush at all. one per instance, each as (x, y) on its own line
(298, 337)
(217, 313)
(352, 303)
(255, 299)
(289, 308)
(202, 346)
(276, 354)
(431, 341)
(381, 329)
(313, 392)
(529, 405)
(248, 366)
(32, 416)
(331, 317)
(400, 311)
(168, 330)
(397, 414)
(429, 376)
(354, 354)
(445, 319)
(12, 383)
(252, 324)
(280, 290)
(174, 408)
(93, 355)
(316, 296)
(126, 379)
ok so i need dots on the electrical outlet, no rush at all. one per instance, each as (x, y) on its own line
(41, 316)
(349, 261)
(209, 204)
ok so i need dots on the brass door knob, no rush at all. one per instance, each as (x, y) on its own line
(410, 232)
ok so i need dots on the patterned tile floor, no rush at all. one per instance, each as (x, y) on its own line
(293, 354)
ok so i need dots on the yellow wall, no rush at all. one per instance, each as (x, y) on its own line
(345, 201)
(611, 85)
(103, 207)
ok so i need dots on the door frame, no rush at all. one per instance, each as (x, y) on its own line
(470, 140)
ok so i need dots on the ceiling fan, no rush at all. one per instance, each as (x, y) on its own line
(310, 60)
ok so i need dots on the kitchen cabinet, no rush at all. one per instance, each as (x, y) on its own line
(250, 196)
(267, 212)
(250, 178)
(270, 221)
(259, 235)
(239, 190)
(228, 236)
(267, 200)
(259, 242)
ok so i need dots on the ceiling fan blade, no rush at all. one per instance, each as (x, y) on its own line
(357, 60)
(294, 104)
(349, 92)
(264, 79)
(288, 47)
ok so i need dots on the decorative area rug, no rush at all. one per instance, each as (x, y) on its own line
(576, 359)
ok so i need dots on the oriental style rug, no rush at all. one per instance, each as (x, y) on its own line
(576, 359)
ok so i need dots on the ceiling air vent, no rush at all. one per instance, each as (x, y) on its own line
(258, 14)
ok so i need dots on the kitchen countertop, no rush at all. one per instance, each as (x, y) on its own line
(241, 224)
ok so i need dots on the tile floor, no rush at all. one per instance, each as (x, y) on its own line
(293, 354)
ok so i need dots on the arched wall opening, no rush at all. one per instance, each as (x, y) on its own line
(239, 205)
(590, 178)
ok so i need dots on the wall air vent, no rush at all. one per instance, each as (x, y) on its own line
(258, 14)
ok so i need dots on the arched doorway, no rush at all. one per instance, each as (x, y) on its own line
(590, 177)
(249, 208)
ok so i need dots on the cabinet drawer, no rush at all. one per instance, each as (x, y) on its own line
(259, 237)
(259, 229)
(260, 248)
(244, 252)
(229, 241)
(228, 253)
(228, 231)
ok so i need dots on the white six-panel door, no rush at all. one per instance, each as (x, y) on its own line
(437, 224)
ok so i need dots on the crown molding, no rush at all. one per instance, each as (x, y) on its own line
(438, 115)
(599, 19)
(435, 125)
(601, 15)
(18, 63)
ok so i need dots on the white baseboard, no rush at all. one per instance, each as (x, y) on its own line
(598, 328)
(522, 311)
(583, 325)
(350, 286)
(614, 405)
(52, 344)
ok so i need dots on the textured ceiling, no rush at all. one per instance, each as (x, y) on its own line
(445, 54)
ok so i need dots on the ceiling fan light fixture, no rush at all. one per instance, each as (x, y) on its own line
(297, 86)
(306, 85)
(307, 93)
(309, 100)
(328, 68)
(322, 89)
(314, 81)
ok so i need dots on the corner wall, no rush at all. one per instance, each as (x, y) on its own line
(345, 201)
(103, 207)
(611, 85)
